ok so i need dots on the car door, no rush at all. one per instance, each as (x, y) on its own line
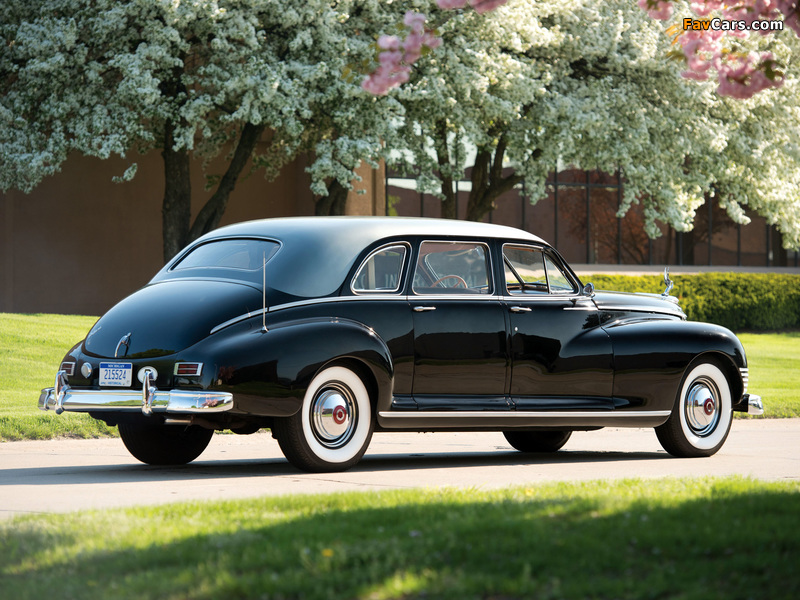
(560, 357)
(460, 345)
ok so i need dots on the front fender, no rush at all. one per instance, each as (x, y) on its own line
(268, 372)
(651, 357)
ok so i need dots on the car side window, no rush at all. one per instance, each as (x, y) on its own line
(381, 271)
(452, 268)
(530, 270)
(559, 283)
(525, 272)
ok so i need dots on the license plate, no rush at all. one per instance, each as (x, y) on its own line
(116, 374)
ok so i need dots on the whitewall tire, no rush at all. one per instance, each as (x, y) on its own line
(702, 415)
(333, 428)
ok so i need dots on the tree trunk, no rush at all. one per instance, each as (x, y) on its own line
(449, 203)
(335, 203)
(210, 215)
(488, 182)
(176, 210)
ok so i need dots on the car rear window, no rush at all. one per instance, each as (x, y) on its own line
(245, 255)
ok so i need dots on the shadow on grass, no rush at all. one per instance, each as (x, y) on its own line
(709, 539)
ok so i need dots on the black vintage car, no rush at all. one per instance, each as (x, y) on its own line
(328, 329)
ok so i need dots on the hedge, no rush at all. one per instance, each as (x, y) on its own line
(738, 301)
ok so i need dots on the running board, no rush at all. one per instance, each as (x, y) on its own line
(499, 420)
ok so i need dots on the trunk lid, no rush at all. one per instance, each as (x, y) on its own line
(169, 316)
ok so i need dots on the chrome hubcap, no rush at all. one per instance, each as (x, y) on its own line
(333, 415)
(702, 407)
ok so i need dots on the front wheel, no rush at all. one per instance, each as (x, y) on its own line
(164, 444)
(537, 441)
(333, 428)
(702, 415)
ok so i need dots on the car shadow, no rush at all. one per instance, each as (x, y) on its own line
(279, 467)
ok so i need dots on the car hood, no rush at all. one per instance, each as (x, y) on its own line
(166, 317)
(640, 303)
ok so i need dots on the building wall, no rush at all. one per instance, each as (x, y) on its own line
(79, 243)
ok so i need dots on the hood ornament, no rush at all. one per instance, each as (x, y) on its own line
(667, 282)
(124, 341)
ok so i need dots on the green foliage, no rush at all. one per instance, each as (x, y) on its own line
(627, 539)
(739, 301)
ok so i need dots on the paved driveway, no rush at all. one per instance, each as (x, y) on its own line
(69, 475)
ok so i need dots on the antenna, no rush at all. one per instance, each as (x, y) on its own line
(264, 295)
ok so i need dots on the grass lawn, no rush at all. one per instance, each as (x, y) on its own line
(32, 346)
(31, 349)
(689, 539)
(774, 361)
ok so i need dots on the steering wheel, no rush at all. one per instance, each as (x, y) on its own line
(459, 280)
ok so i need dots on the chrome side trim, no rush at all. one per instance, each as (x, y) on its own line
(171, 402)
(648, 310)
(479, 414)
(745, 372)
(359, 298)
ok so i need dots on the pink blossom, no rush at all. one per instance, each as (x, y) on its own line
(744, 75)
(695, 75)
(414, 21)
(389, 42)
(661, 10)
(394, 63)
(450, 4)
(704, 7)
(484, 6)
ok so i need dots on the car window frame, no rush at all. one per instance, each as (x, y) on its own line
(401, 276)
(490, 275)
(546, 254)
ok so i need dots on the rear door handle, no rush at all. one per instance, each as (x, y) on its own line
(519, 309)
(424, 308)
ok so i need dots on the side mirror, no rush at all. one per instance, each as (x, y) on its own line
(588, 290)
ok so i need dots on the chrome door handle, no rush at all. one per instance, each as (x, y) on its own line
(424, 308)
(519, 309)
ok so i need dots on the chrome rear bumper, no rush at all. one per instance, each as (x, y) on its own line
(754, 404)
(61, 397)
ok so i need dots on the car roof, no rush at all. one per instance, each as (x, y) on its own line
(317, 253)
(362, 231)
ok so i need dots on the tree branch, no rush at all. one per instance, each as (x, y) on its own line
(210, 215)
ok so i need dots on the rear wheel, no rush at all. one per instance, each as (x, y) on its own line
(164, 444)
(537, 441)
(702, 415)
(333, 428)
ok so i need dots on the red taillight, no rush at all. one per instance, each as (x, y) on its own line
(68, 368)
(188, 369)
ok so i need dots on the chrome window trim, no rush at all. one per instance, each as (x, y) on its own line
(406, 246)
(493, 293)
(478, 414)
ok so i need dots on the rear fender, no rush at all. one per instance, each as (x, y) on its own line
(269, 371)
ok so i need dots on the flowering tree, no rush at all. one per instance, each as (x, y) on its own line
(717, 41)
(255, 80)
(535, 82)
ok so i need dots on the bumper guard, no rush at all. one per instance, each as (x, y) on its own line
(61, 397)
